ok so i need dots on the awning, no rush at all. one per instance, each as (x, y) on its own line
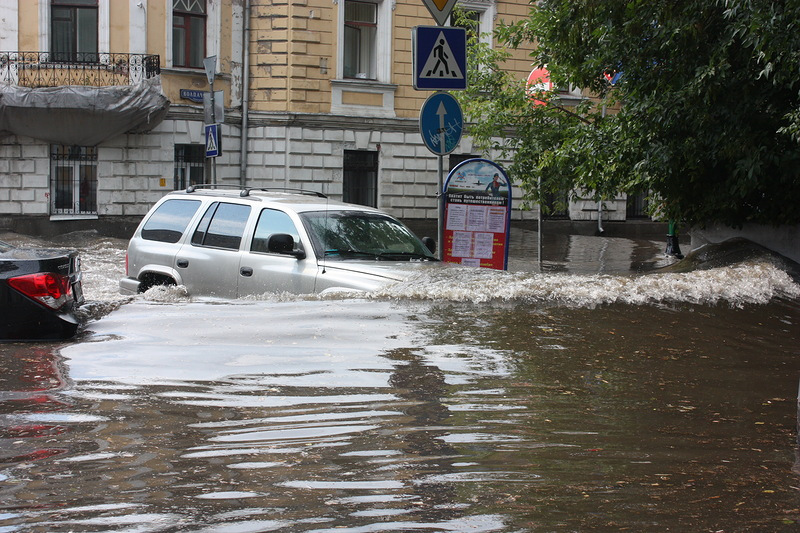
(76, 115)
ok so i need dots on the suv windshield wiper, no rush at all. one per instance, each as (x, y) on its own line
(409, 255)
(351, 253)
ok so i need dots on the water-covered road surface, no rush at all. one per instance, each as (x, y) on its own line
(581, 398)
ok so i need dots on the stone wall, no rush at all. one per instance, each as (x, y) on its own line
(135, 170)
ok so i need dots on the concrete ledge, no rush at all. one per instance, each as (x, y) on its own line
(784, 240)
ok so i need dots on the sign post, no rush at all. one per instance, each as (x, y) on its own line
(210, 64)
(477, 206)
(441, 123)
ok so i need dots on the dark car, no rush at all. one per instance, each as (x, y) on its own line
(40, 289)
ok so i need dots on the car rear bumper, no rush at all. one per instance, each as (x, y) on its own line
(129, 286)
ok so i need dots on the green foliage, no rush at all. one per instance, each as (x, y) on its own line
(709, 121)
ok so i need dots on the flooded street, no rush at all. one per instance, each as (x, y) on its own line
(604, 393)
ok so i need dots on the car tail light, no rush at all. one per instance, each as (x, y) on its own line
(48, 288)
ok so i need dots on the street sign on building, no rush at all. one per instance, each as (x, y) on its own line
(441, 123)
(439, 57)
(213, 148)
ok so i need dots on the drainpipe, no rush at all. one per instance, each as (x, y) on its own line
(245, 94)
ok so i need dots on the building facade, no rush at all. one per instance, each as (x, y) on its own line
(102, 109)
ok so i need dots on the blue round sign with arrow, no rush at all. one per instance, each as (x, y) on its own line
(440, 123)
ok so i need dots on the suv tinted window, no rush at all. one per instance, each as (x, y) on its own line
(169, 221)
(222, 226)
(272, 221)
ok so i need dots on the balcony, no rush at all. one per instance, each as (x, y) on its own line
(46, 69)
(79, 99)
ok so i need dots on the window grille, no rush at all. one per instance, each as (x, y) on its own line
(190, 165)
(360, 177)
(73, 180)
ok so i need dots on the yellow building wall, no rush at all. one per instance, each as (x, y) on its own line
(294, 55)
(119, 16)
(28, 26)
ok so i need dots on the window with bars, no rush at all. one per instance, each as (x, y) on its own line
(360, 46)
(636, 206)
(360, 177)
(190, 165)
(188, 33)
(73, 180)
(73, 35)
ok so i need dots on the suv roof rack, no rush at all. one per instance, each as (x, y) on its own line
(193, 188)
(245, 191)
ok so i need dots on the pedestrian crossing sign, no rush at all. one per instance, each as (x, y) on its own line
(440, 58)
(213, 148)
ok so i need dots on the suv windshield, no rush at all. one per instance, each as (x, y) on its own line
(362, 235)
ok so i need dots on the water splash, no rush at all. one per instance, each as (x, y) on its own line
(737, 285)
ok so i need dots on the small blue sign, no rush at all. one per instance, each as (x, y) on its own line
(440, 58)
(213, 148)
(193, 95)
(440, 123)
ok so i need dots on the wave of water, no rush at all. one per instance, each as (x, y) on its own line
(737, 285)
(755, 281)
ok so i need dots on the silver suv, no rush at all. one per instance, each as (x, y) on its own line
(233, 243)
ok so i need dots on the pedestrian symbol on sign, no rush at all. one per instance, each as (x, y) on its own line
(441, 62)
(213, 149)
(439, 58)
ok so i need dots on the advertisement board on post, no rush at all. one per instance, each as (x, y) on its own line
(477, 215)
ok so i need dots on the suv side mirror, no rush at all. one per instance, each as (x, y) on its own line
(283, 243)
(430, 244)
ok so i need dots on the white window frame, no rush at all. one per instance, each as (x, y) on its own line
(213, 21)
(103, 26)
(383, 41)
(488, 12)
(382, 85)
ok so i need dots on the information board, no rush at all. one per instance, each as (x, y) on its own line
(477, 215)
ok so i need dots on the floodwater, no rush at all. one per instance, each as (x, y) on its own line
(607, 392)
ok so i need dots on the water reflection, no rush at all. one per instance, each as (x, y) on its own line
(431, 410)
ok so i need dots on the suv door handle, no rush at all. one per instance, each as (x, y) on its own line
(182, 263)
(246, 271)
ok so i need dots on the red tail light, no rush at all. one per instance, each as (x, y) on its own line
(48, 288)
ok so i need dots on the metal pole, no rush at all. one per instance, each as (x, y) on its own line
(539, 222)
(600, 229)
(214, 121)
(245, 95)
(440, 197)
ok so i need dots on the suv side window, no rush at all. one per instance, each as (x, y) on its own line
(169, 221)
(272, 221)
(222, 226)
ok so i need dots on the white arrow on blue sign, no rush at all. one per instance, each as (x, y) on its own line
(440, 123)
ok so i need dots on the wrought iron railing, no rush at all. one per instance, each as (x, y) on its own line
(53, 69)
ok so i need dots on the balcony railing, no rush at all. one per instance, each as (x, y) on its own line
(53, 69)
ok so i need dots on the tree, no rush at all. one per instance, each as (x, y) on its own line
(708, 102)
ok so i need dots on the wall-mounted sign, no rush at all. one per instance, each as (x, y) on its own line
(477, 215)
(193, 95)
